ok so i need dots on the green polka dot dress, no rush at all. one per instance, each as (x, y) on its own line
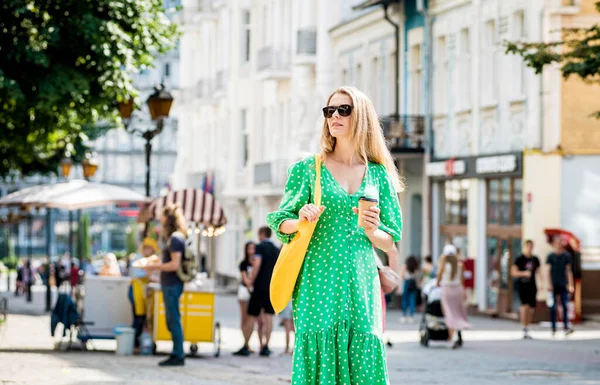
(337, 299)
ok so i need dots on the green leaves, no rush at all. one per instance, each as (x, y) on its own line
(578, 54)
(62, 65)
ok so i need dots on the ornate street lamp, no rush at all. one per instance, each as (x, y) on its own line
(159, 105)
(90, 165)
(65, 166)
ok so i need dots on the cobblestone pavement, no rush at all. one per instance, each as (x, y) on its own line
(493, 354)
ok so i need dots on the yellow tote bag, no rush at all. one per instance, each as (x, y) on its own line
(292, 255)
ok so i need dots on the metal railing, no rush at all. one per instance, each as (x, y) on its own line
(274, 59)
(307, 42)
(404, 132)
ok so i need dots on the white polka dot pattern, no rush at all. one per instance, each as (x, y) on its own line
(337, 299)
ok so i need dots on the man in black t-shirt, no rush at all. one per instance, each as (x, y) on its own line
(524, 270)
(260, 301)
(560, 278)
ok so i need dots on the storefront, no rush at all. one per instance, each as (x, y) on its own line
(477, 205)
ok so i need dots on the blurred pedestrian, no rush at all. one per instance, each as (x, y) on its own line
(409, 274)
(137, 289)
(19, 287)
(287, 321)
(449, 278)
(245, 268)
(560, 282)
(110, 268)
(28, 279)
(173, 225)
(260, 302)
(427, 271)
(525, 269)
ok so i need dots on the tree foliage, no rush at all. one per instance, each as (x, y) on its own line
(63, 64)
(577, 54)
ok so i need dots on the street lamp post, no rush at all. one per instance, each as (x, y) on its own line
(159, 105)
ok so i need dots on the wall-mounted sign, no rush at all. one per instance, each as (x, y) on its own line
(477, 167)
(496, 164)
(450, 167)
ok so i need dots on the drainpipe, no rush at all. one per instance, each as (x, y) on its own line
(429, 193)
(397, 69)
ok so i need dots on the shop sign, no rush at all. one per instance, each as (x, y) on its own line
(450, 167)
(496, 164)
(477, 167)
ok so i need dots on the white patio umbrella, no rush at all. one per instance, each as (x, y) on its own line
(72, 195)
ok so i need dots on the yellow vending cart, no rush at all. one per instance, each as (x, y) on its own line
(197, 307)
(206, 221)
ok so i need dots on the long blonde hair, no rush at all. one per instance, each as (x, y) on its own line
(175, 221)
(453, 261)
(366, 134)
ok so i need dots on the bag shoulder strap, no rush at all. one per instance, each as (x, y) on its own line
(318, 191)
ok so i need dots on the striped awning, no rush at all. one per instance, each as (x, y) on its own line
(198, 206)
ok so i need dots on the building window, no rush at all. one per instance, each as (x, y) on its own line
(489, 63)
(345, 76)
(391, 85)
(441, 76)
(167, 71)
(358, 76)
(246, 36)
(505, 201)
(245, 138)
(519, 68)
(464, 100)
(456, 193)
(416, 80)
(503, 235)
(375, 82)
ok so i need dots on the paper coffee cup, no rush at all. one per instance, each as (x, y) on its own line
(364, 203)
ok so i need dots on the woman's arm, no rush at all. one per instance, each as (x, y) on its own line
(381, 240)
(246, 279)
(393, 258)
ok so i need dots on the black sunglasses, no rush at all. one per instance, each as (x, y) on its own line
(343, 110)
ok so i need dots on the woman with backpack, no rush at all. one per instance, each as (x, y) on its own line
(173, 226)
(409, 274)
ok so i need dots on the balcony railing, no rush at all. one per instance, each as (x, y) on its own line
(404, 132)
(273, 59)
(307, 42)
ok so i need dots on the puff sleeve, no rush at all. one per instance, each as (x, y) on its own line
(391, 214)
(297, 194)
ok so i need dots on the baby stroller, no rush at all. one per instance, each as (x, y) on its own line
(432, 326)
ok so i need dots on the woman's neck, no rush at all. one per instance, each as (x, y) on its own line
(344, 152)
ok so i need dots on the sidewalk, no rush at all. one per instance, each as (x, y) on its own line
(494, 353)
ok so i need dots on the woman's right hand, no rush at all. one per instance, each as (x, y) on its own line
(310, 212)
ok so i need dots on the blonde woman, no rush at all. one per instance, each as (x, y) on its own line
(337, 300)
(449, 277)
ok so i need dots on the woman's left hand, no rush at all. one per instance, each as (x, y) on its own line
(371, 219)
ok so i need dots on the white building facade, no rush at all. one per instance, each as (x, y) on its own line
(503, 166)
(255, 75)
